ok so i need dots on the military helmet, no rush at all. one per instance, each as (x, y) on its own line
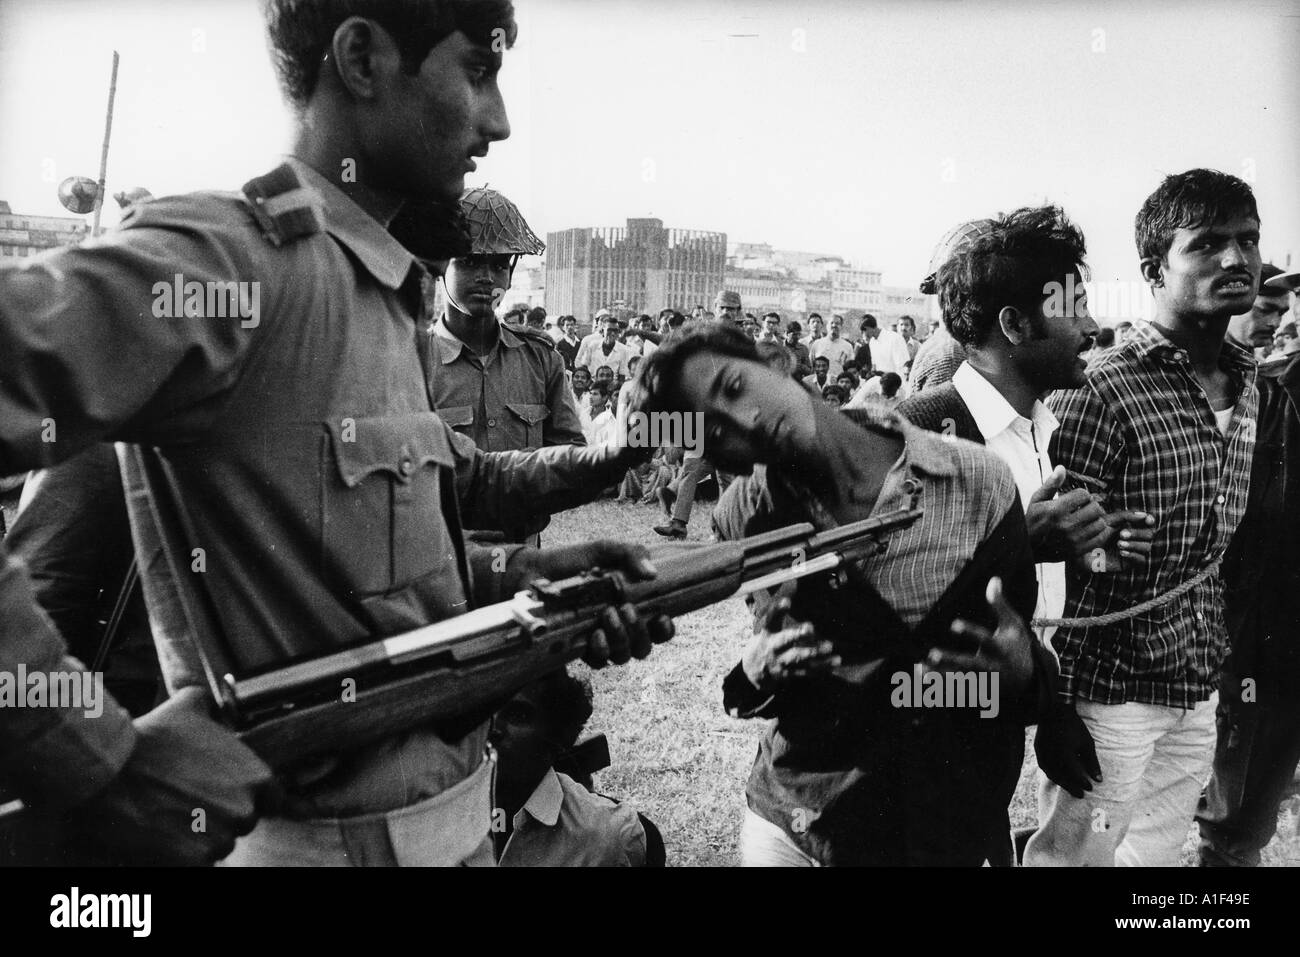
(958, 239)
(496, 226)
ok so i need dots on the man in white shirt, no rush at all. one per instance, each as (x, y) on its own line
(1022, 342)
(606, 350)
(889, 352)
(594, 337)
(600, 425)
(834, 348)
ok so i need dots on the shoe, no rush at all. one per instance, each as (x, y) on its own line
(667, 498)
(673, 529)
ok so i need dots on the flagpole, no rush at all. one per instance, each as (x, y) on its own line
(103, 157)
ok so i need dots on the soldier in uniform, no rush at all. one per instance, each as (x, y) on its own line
(260, 352)
(502, 387)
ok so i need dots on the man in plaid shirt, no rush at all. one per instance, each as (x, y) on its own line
(1165, 425)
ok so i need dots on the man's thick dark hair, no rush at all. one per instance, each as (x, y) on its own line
(659, 377)
(1010, 265)
(868, 322)
(565, 703)
(1188, 201)
(301, 32)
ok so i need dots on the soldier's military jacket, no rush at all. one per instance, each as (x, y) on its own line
(324, 495)
(515, 397)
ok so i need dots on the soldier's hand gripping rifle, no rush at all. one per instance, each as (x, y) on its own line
(457, 666)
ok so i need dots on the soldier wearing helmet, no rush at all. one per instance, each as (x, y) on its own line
(504, 388)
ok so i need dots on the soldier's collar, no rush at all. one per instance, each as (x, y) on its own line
(364, 236)
(450, 345)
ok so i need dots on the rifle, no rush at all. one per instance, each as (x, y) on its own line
(445, 670)
(355, 697)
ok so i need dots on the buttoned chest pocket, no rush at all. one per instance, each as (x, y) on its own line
(527, 421)
(383, 524)
(460, 418)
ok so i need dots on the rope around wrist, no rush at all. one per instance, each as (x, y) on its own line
(1141, 608)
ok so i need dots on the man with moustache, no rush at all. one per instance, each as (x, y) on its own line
(834, 348)
(1003, 299)
(1166, 426)
(602, 348)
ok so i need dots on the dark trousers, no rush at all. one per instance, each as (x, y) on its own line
(1254, 766)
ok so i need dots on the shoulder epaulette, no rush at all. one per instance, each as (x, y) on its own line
(284, 208)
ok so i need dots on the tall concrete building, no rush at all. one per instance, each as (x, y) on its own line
(644, 265)
(23, 235)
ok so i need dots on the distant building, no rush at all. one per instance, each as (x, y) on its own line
(768, 290)
(529, 283)
(23, 235)
(855, 291)
(644, 265)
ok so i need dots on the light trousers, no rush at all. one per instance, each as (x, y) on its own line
(763, 844)
(1154, 763)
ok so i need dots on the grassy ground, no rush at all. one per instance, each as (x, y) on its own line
(677, 757)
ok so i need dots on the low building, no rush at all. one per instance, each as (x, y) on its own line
(25, 235)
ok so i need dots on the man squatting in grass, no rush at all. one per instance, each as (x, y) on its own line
(843, 776)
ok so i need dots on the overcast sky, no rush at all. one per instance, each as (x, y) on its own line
(856, 127)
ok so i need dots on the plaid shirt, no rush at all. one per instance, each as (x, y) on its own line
(1142, 434)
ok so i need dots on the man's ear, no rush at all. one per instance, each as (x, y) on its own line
(362, 52)
(1014, 325)
(1152, 271)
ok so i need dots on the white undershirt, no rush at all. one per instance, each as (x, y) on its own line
(1224, 419)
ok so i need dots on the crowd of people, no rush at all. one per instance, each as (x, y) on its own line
(1106, 547)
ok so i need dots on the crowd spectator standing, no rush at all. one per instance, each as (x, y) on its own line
(833, 347)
